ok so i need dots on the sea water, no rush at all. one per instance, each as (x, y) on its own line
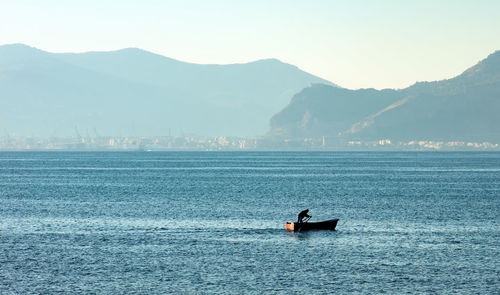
(213, 222)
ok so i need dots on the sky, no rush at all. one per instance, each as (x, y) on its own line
(355, 44)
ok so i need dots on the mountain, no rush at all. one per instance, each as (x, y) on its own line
(136, 92)
(463, 108)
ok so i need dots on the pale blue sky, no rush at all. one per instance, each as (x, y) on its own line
(356, 44)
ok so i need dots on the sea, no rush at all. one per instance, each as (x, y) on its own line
(214, 222)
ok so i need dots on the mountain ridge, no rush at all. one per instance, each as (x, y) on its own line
(464, 107)
(137, 92)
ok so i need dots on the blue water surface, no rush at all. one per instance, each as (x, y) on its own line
(213, 222)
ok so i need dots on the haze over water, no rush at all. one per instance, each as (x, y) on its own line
(180, 222)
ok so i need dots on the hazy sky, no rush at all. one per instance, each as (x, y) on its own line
(356, 44)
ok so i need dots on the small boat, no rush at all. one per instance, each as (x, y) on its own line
(322, 225)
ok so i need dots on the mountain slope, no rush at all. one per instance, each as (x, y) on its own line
(135, 92)
(463, 108)
(324, 110)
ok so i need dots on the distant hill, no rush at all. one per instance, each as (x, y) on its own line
(135, 92)
(466, 107)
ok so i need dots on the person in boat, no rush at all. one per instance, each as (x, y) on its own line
(302, 215)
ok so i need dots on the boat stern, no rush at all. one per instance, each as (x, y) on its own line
(290, 226)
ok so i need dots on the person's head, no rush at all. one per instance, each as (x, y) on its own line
(307, 210)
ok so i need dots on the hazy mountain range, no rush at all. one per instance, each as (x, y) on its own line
(132, 92)
(136, 92)
(466, 107)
